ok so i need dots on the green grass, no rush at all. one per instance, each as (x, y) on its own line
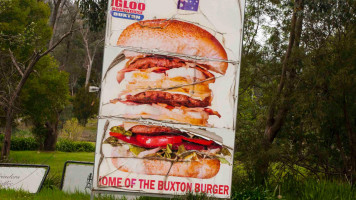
(287, 189)
(45, 194)
(55, 160)
(318, 190)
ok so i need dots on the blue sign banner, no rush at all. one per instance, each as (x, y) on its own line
(125, 15)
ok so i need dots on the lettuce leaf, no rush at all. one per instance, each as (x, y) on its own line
(223, 160)
(113, 141)
(136, 150)
(181, 149)
(225, 152)
(121, 130)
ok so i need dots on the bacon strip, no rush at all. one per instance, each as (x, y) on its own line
(153, 130)
(176, 100)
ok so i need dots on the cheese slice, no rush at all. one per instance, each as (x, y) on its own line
(194, 116)
(138, 81)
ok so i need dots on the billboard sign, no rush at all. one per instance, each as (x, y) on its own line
(169, 97)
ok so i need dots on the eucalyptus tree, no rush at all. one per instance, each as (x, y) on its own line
(24, 35)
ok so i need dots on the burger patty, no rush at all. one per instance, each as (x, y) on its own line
(150, 97)
(153, 130)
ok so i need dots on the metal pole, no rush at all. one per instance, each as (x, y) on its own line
(92, 195)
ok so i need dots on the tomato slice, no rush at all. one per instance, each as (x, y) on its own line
(128, 139)
(199, 141)
(158, 141)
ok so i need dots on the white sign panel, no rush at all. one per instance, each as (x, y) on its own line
(77, 177)
(169, 97)
(27, 178)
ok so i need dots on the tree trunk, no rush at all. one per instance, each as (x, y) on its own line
(51, 137)
(56, 5)
(351, 137)
(87, 77)
(279, 105)
(5, 152)
(57, 12)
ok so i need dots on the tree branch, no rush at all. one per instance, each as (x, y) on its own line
(15, 63)
(57, 43)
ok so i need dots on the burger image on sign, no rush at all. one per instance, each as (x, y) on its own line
(170, 88)
(161, 150)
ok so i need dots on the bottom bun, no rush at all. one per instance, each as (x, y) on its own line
(203, 169)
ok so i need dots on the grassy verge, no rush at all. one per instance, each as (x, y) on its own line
(45, 194)
(288, 189)
(55, 160)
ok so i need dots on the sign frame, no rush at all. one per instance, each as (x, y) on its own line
(30, 165)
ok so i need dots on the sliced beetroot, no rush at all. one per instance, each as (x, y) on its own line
(188, 146)
(214, 146)
(199, 141)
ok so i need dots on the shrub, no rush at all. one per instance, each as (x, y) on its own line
(24, 144)
(72, 130)
(250, 192)
(65, 145)
(85, 105)
(71, 146)
(85, 146)
(30, 144)
(22, 133)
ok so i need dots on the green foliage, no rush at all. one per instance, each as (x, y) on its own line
(44, 97)
(24, 26)
(21, 133)
(257, 192)
(74, 146)
(30, 144)
(72, 130)
(46, 93)
(94, 11)
(22, 144)
(316, 135)
(317, 190)
(85, 105)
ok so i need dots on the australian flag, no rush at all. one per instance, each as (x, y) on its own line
(188, 5)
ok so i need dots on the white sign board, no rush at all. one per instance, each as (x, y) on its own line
(77, 177)
(169, 95)
(28, 178)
